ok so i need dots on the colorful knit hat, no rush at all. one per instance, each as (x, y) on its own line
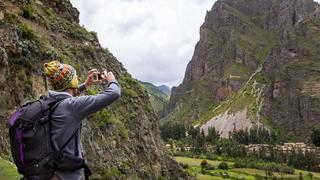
(61, 76)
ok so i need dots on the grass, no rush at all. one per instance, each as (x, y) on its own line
(8, 170)
(196, 162)
(234, 173)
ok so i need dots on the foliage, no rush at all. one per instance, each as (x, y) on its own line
(203, 165)
(173, 131)
(223, 166)
(213, 136)
(111, 173)
(184, 166)
(230, 148)
(27, 32)
(11, 18)
(256, 135)
(315, 136)
(310, 175)
(275, 167)
(29, 10)
(269, 166)
(105, 118)
(248, 172)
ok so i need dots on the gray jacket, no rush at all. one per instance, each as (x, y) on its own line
(67, 118)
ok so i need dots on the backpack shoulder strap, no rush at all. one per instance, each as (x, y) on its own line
(67, 142)
(54, 101)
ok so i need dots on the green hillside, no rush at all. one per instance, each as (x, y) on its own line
(158, 98)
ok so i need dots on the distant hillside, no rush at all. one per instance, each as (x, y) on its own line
(165, 89)
(159, 95)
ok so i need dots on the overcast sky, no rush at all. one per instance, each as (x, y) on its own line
(154, 39)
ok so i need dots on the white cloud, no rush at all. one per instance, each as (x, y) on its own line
(154, 39)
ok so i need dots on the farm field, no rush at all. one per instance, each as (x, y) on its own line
(235, 173)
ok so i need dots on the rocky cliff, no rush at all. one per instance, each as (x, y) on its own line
(121, 141)
(257, 62)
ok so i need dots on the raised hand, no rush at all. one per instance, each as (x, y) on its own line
(107, 76)
(91, 78)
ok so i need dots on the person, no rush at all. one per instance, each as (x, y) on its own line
(67, 116)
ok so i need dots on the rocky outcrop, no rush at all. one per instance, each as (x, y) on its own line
(121, 141)
(268, 45)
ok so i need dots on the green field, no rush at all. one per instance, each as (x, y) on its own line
(8, 170)
(236, 173)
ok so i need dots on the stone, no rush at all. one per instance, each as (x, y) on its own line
(3, 58)
(1, 15)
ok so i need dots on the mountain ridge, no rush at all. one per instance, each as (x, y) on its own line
(245, 59)
(158, 98)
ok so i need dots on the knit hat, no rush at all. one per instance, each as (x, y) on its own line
(61, 76)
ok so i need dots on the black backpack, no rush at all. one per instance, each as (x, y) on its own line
(31, 146)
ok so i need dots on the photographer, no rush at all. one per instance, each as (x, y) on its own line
(66, 118)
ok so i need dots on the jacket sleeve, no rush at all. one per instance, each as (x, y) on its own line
(82, 87)
(85, 105)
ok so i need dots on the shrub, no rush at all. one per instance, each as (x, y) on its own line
(184, 166)
(310, 175)
(27, 32)
(240, 163)
(203, 165)
(11, 18)
(28, 11)
(274, 167)
(211, 156)
(223, 166)
(111, 173)
(315, 136)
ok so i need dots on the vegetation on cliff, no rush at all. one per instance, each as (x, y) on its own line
(258, 57)
(123, 139)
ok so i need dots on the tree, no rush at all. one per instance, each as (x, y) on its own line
(315, 136)
(203, 165)
(213, 136)
(300, 176)
(175, 131)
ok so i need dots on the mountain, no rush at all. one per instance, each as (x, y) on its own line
(122, 140)
(158, 95)
(165, 89)
(256, 64)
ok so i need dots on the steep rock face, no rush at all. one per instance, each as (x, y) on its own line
(121, 141)
(259, 54)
